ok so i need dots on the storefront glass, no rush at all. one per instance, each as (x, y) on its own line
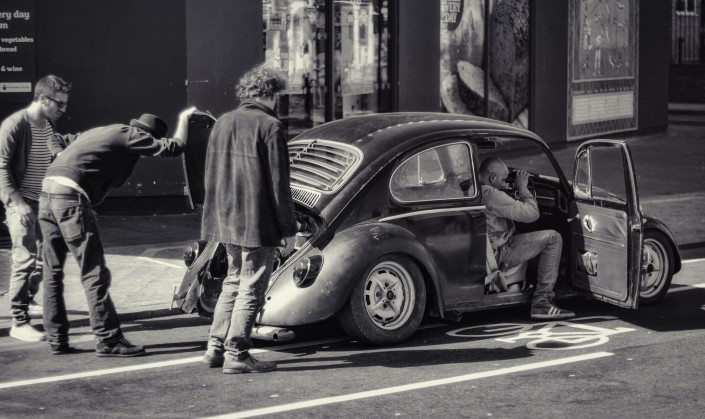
(295, 40)
(360, 44)
(477, 81)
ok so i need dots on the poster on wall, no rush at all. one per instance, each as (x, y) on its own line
(464, 72)
(357, 55)
(17, 50)
(602, 67)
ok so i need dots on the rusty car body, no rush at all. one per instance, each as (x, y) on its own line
(393, 227)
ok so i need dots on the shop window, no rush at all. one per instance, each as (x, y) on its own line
(360, 45)
(295, 43)
(357, 82)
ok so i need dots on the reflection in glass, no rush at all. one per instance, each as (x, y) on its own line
(294, 42)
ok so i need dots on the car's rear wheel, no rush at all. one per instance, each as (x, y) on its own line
(657, 267)
(387, 304)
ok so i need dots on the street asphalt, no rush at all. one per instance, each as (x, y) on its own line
(144, 252)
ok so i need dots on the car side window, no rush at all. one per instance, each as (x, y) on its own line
(440, 173)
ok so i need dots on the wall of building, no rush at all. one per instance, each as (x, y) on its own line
(654, 58)
(418, 31)
(550, 75)
(687, 83)
(223, 41)
(124, 58)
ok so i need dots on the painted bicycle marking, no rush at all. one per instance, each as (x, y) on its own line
(557, 335)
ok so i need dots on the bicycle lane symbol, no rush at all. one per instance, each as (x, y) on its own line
(553, 335)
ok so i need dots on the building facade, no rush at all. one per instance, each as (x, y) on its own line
(567, 70)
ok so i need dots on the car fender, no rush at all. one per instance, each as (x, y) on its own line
(345, 258)
(651, 222)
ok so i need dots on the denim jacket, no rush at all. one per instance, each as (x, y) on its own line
(248, 201)
(15, 143)
(502, 210)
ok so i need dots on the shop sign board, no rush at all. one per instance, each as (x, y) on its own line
(17, 50)
(602, 67)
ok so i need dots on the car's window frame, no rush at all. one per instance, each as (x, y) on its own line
(445, 143)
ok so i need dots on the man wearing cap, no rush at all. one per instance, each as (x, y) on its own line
(80, 177)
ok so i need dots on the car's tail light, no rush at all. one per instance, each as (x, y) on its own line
(306, 270)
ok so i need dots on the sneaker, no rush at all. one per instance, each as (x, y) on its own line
(34, 308)
(27, 333)
(548, 311)
(247, 364)
(213, 360)
(120, 348)
(62, 349)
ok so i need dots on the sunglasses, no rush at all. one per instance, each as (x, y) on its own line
(59, 104)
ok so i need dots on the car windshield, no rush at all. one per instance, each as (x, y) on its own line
(518, 153)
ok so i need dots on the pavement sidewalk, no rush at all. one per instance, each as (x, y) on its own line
(144, 252)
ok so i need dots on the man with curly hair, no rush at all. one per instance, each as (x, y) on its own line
(247, 207)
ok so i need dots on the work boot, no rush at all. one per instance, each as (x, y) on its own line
(119, 348)
(248, 363)
(213, 360)
(549, 311)
(62, 349)
(26, 332)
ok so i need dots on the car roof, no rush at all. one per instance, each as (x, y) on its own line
(377, 133)
(381, 137)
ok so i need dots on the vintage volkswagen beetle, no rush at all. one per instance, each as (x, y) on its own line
(393, 227)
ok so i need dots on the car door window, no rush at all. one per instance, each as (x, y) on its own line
(440, 173)
(600, 176)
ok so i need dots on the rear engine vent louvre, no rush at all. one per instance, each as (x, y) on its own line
(305, 196)
(322, 165)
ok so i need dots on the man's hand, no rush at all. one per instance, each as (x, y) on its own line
(186, 113)
(522, 180)
(24, 211)
(288, 246)
(182, 128)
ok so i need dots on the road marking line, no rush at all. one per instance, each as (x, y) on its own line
(410, 387)
(698, 285)
(98, 373)
(672, 198)
(160, 262)
(693, 260)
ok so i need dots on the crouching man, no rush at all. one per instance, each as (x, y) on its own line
(512, 249)
(80, 177)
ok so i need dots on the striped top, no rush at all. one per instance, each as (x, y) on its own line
(37, 162)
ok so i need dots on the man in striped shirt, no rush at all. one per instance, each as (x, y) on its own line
(24, 159)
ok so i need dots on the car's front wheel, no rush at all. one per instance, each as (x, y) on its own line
(657, 267)
(387, 304)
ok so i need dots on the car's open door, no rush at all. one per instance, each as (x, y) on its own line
(606, 227)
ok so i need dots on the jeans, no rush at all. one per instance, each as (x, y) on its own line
(26, 273)
(522, 247)
(69, 225)
(240, 301)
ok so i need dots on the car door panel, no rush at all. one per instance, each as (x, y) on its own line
(606, 230)
(599, 237)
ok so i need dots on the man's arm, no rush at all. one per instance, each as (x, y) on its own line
(524, 210)
(278, 162)
(9, 192)
(58, 143)
(144, 144)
